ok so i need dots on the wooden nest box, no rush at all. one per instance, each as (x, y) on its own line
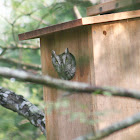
(107, 52)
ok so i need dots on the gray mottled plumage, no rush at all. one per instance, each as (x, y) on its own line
(64, 64)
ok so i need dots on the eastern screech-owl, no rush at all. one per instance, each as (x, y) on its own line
(64, 64)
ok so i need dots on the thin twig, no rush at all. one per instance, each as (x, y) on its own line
(112, 129)
(76, 12)
(40, 20)
(3, 51)
(19, 46)
(21, 64)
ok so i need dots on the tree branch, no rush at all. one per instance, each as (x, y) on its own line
(94, 1)
(76, 12)
(19, 104)
(112, 129)
(20, 47)
(67, 85)
(39, 19)
(3, 51)
(21, 64)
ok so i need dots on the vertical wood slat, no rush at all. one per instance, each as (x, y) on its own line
(79, 42)
(117, 63)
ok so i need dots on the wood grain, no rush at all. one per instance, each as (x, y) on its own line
(111, 6)
(77, 23)
(117, 63)
(79, 42)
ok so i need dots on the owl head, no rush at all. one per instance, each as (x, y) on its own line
(64, 64)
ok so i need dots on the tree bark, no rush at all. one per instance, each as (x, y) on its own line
(19, 104)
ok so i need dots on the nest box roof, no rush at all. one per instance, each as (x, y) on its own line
(79, 22)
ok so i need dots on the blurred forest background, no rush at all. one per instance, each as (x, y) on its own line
(18, 16)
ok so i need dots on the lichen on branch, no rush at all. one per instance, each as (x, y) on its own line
(19, 104)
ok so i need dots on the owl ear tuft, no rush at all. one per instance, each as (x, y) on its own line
(53, 53)
(66, 50)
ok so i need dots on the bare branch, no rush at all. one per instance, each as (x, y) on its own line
(34, 47)
(76, 12)
(94, 1)
(67, 85)
(20, 64)
(23, 14)
(39, 19)
(3, 51)
(13, 34)
(112, 129)
(19, 46)
(19, 104)
(42, 18)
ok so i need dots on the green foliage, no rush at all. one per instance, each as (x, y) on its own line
(15, 127)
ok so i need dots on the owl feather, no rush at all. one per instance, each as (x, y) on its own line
(64, 64)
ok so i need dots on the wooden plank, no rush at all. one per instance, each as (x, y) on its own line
(117, 63)
(111, 6)
(77, 23)
(79, 42)
(50, 29)
(111, 17)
